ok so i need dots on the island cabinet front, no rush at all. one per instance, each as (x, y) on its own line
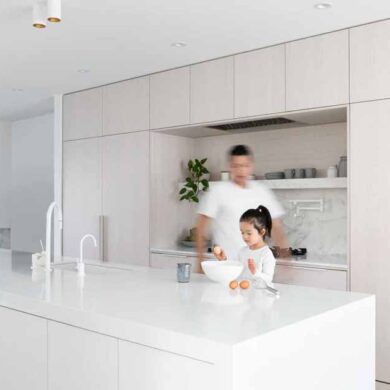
(23, 351)
(81, 360)
(146, 368)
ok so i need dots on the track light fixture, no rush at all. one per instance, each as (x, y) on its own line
(46, 10)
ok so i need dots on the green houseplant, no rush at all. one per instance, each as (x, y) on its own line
(196, 182)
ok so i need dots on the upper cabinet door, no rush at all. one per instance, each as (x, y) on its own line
(126, 198)
(260, 82)
(81, 195)
(317, 71)
(170, 98)
(370, 61)
(212, 90)
(126, 106)
(82, 114)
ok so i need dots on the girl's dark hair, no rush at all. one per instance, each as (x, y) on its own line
(240, 150)
(260, 218)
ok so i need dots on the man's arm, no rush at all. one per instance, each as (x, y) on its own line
(278, 236)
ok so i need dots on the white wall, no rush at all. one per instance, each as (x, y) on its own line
(5, 174)
(32, 180)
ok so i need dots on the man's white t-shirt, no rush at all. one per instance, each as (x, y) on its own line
(225, 202)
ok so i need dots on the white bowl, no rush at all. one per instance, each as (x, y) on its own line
(222, 271)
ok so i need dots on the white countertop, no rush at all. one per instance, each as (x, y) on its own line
(148, 306)
(312, 260)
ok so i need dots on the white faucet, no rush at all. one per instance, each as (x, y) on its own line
(49, 214)
(80, 264)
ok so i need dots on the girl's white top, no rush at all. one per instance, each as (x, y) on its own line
(264, 260)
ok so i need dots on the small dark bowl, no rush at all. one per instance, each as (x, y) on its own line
(299, 252)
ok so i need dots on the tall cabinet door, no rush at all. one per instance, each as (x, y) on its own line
(81, 195)
(126, 198)
(370, 212)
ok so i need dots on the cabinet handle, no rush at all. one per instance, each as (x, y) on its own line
(101, 237)
(305, 268)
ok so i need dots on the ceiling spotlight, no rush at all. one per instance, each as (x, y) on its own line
(178, 44)
(54, 11)
(39, 19)
(83, 71)
(323, 6)
(17, 90)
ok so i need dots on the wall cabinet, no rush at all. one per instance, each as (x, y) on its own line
(212, 90)
(126, 198)
(311, 277)
(23, 351)
(144, 368)
(370, 210)
(82, 200)
(126, 106)
(82, 114)
(317, 71)
(370, 61)
(259, 82)
(81, 360)
(170, 98)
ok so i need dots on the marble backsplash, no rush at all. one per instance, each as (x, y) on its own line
(5, 238)
(323, 232)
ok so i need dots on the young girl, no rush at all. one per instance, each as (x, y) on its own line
(258, 260)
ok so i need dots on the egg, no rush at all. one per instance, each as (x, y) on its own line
(233, 284)
(217, 250)
(244, 284)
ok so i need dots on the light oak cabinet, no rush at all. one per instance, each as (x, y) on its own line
(125, 177)
(81, 360)
(126, 106)
(259, 80)
(370, 210)
(144, 368)
(382, 386)
(82, 114)
(170, 98)
(370, 61)
(311, 277)
(23, 351)
(317, 71)
(212, 90)
(82, 199)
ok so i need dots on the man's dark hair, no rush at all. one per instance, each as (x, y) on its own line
(240, 150)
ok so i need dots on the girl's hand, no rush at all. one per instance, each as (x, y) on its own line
(252, 266)
(219, 254)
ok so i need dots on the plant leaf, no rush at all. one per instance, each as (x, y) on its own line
(195, 199)
(203, 161)
(183, 197)
(190, 164)
(182, 191)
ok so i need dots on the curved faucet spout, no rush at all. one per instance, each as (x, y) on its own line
(49, 214)
(80, 264)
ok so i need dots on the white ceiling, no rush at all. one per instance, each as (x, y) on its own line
(120, 39)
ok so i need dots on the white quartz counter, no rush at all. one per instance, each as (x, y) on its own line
(312, 260)
(240, 333)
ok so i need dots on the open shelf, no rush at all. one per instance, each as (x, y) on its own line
(322, 182)
(293, 184)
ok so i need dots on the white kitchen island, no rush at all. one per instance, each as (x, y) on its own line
(138, 329)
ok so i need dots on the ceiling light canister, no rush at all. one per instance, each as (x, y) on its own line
(54, 11)
(39, 19)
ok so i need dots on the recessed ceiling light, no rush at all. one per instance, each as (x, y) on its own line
(17, 90)
(323, 6)
(83, 71)
(178, 44)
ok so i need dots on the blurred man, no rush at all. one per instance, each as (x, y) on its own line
(225, 202)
